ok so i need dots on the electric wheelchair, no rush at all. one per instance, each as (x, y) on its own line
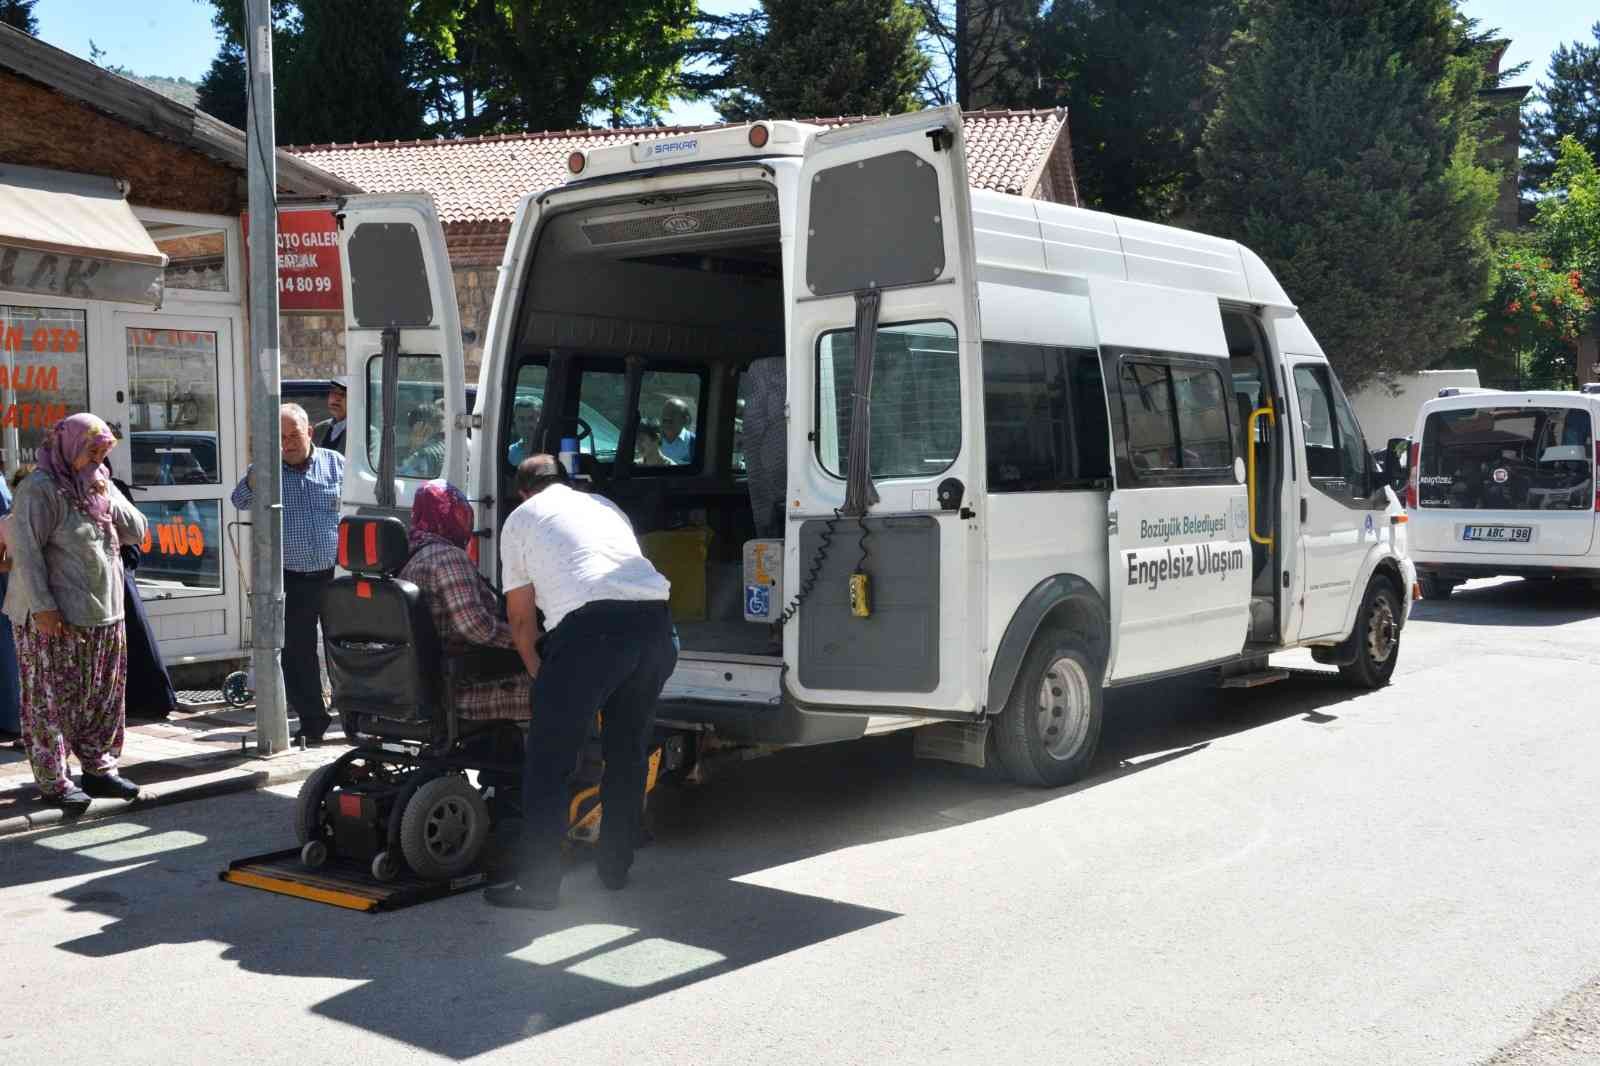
(401, 797)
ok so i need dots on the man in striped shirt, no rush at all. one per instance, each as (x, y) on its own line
(313, 484)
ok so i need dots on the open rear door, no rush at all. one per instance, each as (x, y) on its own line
(403, 351)
(886, 462)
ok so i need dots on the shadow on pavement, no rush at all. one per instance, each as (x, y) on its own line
(458, 978)
(1515, 602)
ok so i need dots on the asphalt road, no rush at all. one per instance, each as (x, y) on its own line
(1294, 874)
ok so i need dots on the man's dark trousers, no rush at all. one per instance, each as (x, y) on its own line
(611, 656)
(302, 676)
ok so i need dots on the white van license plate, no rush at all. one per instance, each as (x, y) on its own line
(1506, 534)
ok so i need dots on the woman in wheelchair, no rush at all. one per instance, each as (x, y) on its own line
(464, 607)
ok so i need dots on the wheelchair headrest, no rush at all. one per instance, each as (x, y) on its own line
(373, 545)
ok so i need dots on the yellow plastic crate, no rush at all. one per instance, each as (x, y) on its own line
(680, 555)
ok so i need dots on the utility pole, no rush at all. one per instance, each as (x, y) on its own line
(266, 509)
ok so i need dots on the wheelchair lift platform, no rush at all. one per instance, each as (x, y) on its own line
(343, 883)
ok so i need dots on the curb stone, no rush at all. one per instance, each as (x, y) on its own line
(204, 785)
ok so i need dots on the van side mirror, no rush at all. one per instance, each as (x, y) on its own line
(1398, 454)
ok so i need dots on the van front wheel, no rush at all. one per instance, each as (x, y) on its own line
(1048, 733)
(1377, 638)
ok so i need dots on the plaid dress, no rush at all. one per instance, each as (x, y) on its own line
(464, 612)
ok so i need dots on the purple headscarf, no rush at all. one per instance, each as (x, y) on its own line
(67, 441)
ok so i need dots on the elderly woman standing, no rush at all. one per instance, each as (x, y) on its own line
(462, 604)
(65, 602)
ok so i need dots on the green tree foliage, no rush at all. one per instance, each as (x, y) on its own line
(222, 88)
(19, 15)
(1344, 152)
(798, 58)
(351, 77)
(1568, 219)
(557, 64)
(1567, 104)
(979, 51)
(1532, 321)
(1139, 79)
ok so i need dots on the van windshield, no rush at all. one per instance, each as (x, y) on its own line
(1508, 458)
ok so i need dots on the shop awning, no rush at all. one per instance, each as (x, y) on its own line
(74, 236)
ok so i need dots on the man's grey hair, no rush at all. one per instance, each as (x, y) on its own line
(537, 472)
(296, 412)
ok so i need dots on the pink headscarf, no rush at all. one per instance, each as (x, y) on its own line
(67, 441)
(439, 509)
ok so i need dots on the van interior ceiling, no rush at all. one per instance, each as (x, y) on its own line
(626, 305)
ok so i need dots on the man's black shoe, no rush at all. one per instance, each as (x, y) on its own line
(110, 786)
(516, 896)
(300, 737)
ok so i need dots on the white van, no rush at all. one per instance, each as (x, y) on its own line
(1080, 451)
(1503, 483)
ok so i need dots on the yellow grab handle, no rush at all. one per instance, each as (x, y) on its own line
(1250, 433)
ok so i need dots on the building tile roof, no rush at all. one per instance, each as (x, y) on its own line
(478, 180)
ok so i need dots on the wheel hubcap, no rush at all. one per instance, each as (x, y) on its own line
(1381, 634)
(447, 827)
(1062, 714)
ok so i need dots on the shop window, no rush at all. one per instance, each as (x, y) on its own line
(44, 357)
(197, 259)
(419, 430)
(172, 406)
(181, 553)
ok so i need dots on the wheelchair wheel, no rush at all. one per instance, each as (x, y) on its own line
(308, 816)
(443, 828)
(385, 866)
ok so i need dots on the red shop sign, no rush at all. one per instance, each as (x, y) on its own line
(308, 261)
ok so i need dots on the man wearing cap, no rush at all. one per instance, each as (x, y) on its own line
(330, 431)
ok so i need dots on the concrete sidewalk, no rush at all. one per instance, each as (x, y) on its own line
(206, 749)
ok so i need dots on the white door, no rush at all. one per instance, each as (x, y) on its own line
(170, 391)
(403, 350)
(1341, 506)
(1178, 521)
(883, 247)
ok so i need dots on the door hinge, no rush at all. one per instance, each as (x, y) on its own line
(1305, 508)
(1286, 579)
(469, 421)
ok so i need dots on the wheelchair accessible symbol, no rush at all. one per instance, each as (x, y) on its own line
(757, 599)
(1371, 527)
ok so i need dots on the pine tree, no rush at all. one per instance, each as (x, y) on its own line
(1345, 152)
(1139, 80)
(1571, 107)
(19, 15)
(222, 88)
(798, 58)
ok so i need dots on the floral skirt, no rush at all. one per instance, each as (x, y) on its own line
(73, 688)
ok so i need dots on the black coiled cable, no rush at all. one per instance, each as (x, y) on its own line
(814, 573)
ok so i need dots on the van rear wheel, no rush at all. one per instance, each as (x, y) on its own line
(1377, 638)
(1048, 733)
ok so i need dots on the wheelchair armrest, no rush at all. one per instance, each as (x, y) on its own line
(480, 663)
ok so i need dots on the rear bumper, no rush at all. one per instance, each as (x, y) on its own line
(1461, 567)
(777, 723)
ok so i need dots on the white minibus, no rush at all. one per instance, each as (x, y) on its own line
(1019, 452)
(1502, 483)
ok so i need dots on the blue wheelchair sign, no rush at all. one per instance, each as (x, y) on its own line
(757, 599)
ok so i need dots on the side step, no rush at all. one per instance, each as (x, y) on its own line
(1255, 680)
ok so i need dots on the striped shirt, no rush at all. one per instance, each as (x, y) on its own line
(311, 497)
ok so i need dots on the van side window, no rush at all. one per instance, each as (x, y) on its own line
(1336, 455)
(419, 442)
(1044, 417)
(527, 405)
(670, 432)
(1175, 419)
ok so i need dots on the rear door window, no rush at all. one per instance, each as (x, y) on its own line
(1508, 458)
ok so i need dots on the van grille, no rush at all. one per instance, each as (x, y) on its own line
(717, 218)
